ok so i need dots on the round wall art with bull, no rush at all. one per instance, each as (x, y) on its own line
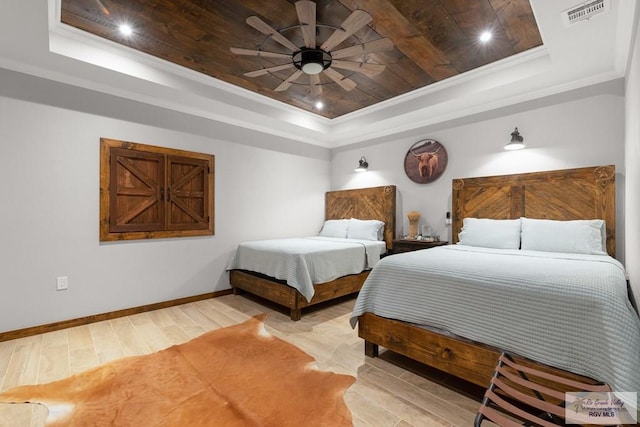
(425, 161)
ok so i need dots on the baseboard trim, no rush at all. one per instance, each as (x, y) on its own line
(56, 326)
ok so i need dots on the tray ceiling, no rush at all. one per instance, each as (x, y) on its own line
(432, 41)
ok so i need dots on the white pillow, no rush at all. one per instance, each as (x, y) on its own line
(335, 228)
(578, 236)
(371, 229)
(490, 233)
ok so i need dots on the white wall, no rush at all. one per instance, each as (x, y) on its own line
(49, 167)
(632, 166)
(583, 132)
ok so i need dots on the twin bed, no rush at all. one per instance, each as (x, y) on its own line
(298, 273)
(545, 290)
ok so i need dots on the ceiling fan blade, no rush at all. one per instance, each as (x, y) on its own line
(263, 53)
(365, 68)
(268, 30)
(307, 17)
(368, 47)
(103, 8)
(344, 82)
(263, 71)
(355, 21)
(316, 88)
(287, 83)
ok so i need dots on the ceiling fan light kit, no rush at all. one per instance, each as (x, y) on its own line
(311, 61)
(314, 60)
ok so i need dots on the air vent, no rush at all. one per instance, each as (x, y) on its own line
(585, 11)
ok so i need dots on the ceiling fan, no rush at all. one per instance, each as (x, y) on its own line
(312, 59)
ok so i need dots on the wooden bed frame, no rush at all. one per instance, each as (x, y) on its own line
(584, 193)
(365, 203)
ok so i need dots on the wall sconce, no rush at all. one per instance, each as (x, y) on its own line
(362, 165)
(517, 141)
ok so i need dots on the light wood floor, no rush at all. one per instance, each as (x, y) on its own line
(389, 390)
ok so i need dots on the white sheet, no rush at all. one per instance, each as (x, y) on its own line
(306, 261)
(570, 311)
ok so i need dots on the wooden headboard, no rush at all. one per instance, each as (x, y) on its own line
(583, 193)
(365, 203)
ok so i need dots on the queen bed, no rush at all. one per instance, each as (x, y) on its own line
(545, 289)
(301, 272)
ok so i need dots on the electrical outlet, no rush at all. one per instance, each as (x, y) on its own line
(62, 283)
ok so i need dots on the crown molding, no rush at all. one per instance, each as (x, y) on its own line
(522, 58)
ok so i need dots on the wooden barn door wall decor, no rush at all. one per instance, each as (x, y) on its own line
(154, 192)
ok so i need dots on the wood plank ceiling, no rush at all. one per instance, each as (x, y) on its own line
(432, 41)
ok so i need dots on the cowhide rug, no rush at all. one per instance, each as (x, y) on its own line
(235, 376)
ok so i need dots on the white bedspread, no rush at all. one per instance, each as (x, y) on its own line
(306, 261)
(565, 310)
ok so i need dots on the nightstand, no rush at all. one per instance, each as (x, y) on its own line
(405, 245)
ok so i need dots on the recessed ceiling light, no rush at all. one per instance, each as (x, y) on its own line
(319, 105)
(485, 36)
(125, 30)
